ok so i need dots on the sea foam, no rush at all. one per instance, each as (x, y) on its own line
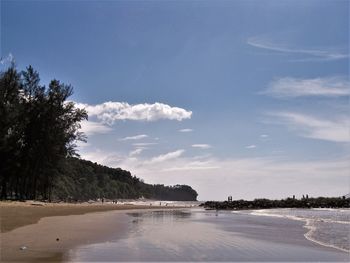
(327, 227)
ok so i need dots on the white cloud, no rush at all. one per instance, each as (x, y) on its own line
(201, 146)
(135, 152)
(335, 130)
(252, 146)
(264, 137)
(136, 137)
(91, 127)
(313, 54)
(141, 144)
(186, 130)
(8, 59)
(293, 87)
(109, 112)
(167, 156)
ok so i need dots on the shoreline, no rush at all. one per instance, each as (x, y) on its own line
(16, 214)
(307, 225)
(45, 232)
(308, 234)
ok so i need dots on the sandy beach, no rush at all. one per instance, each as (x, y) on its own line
(49, 230)
(110, 232)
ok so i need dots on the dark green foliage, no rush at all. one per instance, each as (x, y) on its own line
(10, 127)
(320, 202)
(81, 180)
(38, 131)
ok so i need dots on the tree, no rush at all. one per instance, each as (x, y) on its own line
(38, 131)
(10, 127)
(39, 128)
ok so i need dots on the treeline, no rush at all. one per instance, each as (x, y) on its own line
(320, 202)
(82, 180)
(38, 131)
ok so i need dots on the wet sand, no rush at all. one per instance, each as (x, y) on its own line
(157, 234)
(38, 226)
(17, 214)
(194, 235)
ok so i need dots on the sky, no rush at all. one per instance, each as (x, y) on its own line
(241, 98)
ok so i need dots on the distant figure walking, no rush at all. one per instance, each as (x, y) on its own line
(102, 200)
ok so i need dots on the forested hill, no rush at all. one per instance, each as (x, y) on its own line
(83, 180)
(39, 128)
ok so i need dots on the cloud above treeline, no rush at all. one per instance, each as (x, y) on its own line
(92, 127)
(136, 137)
(323, 87)
(239, 177)
(110, 112)
(167, 156)
(7, 59)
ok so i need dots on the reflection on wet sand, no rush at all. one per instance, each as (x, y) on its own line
(198, 235)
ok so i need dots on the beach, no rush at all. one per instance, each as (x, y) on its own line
(196, 235)
(135, 233)
(35, 226)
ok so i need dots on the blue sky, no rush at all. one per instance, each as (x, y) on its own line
(241, 98)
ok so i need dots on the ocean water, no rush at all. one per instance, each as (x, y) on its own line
(198, 235)
(328, 227)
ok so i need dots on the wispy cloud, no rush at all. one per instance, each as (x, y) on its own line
(135, 152)
(186, 130)
(252, 146)
(109, 112)
(264, 137)
(201, 146)
(8, 59)
(313, 54)
(335, 130)
(91, 127)
(136, 137)
(167, 156)
(142, 144)
(293, 87)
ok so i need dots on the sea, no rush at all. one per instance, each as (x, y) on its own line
(327, 227)
(194, 234)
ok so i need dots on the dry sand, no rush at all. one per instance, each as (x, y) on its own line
(37, 226)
